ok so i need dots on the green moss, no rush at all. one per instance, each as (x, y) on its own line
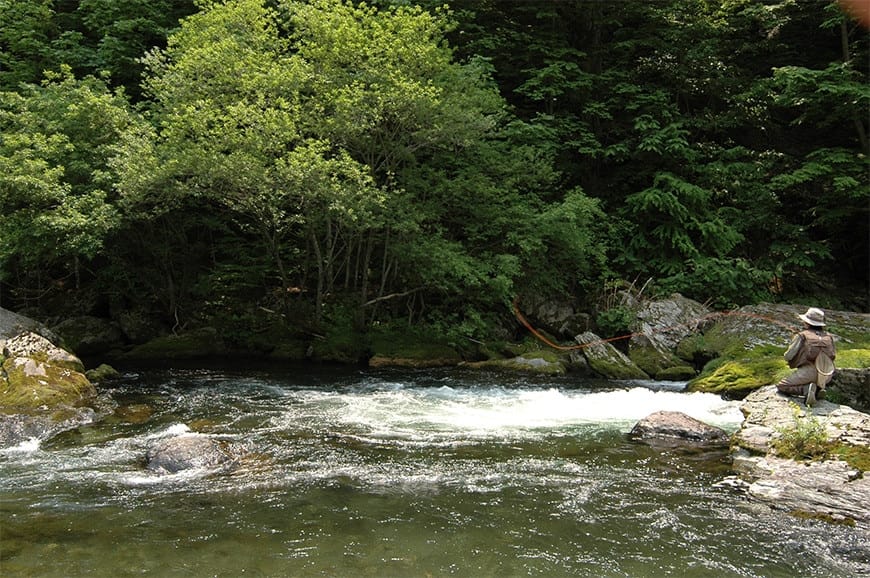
(742, 375)
(409, 344)
(35, 384)
(653, 362)
(850, 337)
(613, 370)
(856, 456)
(676, 373)
(203, 342)
(845, 521)
(102, 373)
(853, 358)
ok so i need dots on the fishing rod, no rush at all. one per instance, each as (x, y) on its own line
(692, 322)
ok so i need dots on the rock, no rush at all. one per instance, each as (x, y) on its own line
(12, 324)
(103, 372)
(37, 374)
(555, 317)
(197, 343)
(191, 451)
(829, 489)
(663, 324)
(412, 362)
(531, 364)
(16, 429)
(852, 385)
(678, 426)
(606, 360)
(87, 335)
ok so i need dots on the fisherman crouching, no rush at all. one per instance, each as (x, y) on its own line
(812, 354)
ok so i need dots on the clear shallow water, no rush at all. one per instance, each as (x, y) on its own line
(347, 473)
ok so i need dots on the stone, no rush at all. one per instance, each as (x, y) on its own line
(38, 375)
(662, 324)
(88, 335)
(606, 360)
(190, 451)
(829, 489)
(679, 426)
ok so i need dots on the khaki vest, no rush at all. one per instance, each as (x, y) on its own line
(814, 342)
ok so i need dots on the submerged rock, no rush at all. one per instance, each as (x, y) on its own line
(192, 451)
(675, 425)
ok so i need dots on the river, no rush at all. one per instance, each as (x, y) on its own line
(345, 472)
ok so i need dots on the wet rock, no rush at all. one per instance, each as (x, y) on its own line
(829, 489)
(606, 360)
(103, 372)
(674, 425)
(526, 363)
(16, 429)
(186, 452)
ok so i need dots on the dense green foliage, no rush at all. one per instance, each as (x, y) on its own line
(344, 165)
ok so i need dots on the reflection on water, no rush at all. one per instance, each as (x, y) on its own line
(345, 473)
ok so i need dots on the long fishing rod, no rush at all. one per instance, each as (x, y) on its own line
(693, 322)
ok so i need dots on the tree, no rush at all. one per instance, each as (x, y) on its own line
(56, 199)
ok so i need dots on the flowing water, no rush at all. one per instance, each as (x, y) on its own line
(390, 473)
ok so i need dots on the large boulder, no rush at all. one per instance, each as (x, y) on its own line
(37, 374)
(677, 426)
(606, 360)
(88, 335)
(189, 451)
(12, 324)
(835, 488)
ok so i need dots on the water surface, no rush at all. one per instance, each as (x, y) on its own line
(394, 473)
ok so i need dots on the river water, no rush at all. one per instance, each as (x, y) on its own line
(395, 473)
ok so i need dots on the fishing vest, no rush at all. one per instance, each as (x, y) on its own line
(814, 342)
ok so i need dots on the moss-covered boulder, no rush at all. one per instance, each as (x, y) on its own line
(88, 335)
(36, 375)
(397, 348)
(658, 362)
(541, 362)
(202, 342)
(607, 361)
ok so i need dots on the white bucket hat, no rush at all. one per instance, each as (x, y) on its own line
(814, 316)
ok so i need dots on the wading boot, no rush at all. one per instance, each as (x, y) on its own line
(811, 395)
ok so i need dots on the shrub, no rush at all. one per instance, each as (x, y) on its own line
(805, 439)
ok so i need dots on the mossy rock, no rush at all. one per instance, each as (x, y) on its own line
(695, 350)
(290, 350)
(30, 384)
(676, 373)
(101, 373)
(654, 361)
(614, 370)
(546, 364)
(740, 375)
(204, 342)
(410, 349)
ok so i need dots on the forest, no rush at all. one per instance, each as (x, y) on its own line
(325, 167)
